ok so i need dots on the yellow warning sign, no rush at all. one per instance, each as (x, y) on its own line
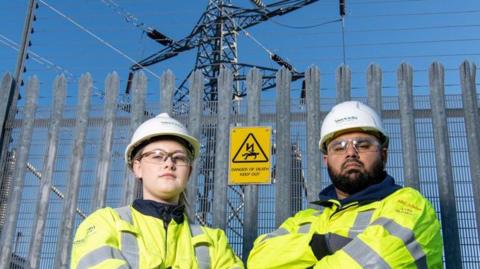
(250, 155)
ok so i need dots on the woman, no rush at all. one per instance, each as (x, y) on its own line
(154, 232)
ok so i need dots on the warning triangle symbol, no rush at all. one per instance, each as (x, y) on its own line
(250, 151)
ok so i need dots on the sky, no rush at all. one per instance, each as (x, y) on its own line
(101, 36)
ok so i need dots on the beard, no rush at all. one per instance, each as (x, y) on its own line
(356, 180)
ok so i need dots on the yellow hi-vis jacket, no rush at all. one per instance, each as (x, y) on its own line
(390, 227)
(125, 238)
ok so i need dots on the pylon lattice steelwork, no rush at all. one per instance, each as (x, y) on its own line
(215, 37)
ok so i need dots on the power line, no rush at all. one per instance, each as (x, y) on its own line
(39, 59)
(395, 43)
(305, 26)
(463, 12)
(129, 17)
(98, 38)
(47, 63)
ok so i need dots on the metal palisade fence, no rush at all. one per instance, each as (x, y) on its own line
(61, 162)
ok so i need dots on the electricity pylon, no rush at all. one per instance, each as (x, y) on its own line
(215, 37)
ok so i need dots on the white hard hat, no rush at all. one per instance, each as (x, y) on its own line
(349, 116)
(161, 125)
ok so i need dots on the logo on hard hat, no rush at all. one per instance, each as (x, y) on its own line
(171, 123)
(346, 119)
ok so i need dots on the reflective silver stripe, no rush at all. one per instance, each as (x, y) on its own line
(278, 232)
(304, 228)
(336, 242)
(129, 242)
(364, 255)
(201, 250)
(319, 212)
(408, 238)
(203, 257)
(125, 214)
(130, 249)
(361, 223)
(196, 229)
(99, 255)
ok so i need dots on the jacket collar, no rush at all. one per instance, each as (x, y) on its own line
(372, 193)
(161, 211)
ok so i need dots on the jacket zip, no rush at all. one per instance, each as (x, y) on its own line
(165, 225)
(341, 208)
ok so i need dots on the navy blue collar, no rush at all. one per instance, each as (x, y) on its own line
(372, 193)
(165, 212)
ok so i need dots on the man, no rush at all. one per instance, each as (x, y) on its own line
(366, 220)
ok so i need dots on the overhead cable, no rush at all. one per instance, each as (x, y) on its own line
(130, 18)
(47, 63)
(306, 26)
(98, 38)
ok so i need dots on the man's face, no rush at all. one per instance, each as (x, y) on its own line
(355, 161)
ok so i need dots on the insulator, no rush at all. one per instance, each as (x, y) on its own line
(29, 43)
(281, 61)
(159, 37)
(129, 82)
(258, 3)
(32, 31)
(27, 56)
(303, 93)
(342, 7)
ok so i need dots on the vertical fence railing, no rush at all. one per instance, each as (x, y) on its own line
(105, 153)
(10, 226)
(444, 167)
(132, 186)
(407, 125)
(70, 203)
(472, 122)
(312, 100)
(374, 87)
(7, 91)
(7, 88)
(224, 108)
(167, 82)
(254, 80)
(283, 162)
(36, 241)
(344, 84)
(194, 126)
(282, 156)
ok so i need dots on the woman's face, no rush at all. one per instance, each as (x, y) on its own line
(164, 167)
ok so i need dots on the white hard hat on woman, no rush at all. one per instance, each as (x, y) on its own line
(161, 125)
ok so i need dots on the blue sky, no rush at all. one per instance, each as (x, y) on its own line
(386, 32)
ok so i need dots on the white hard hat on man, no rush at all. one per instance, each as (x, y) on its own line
(161, 125)
(351, 116)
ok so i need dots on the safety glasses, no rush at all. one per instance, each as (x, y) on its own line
(360, 144)
(160, 157)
